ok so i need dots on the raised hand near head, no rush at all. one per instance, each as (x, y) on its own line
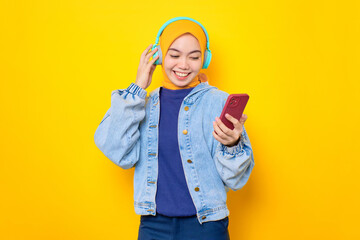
(146, 68)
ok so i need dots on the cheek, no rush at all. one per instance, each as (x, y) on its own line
(197, 66)
(168, 64)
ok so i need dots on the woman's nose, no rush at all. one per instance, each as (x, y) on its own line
(183, 64)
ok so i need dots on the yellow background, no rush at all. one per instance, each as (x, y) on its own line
(298, 61)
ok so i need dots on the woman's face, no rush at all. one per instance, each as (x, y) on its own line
(183, 58)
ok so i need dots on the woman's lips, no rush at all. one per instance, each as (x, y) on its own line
(181, 78)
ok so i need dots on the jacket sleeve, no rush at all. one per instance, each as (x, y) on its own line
(235, 163)
(118, 135)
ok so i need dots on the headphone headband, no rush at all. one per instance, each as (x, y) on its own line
(181, 18)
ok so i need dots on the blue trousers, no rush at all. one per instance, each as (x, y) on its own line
(161, 227)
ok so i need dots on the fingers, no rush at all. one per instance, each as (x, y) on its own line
(146, 67)
(243, 119)
(154, 59)
(150, 54)
(232, 119)
(146, 54)
(145, 64)
(222, 126)
(146, 51)
(224, 133)
(235, 121)
(143, 55)
(152, 69)
(219, 132)
(218, 138)
(224, 140)
(237, 124)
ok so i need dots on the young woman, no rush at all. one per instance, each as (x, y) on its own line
(185, 158)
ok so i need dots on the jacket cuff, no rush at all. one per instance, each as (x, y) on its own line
(136, 90)
(238, 148)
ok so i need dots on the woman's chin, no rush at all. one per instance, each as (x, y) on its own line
(181, 83)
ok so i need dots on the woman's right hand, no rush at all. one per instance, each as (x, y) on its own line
(146, 68)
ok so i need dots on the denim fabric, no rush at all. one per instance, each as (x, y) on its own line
(161, 227)
(128, 136)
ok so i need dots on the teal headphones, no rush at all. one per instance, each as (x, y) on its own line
(207, 54)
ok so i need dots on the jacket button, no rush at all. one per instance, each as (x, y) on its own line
(186, 108)
(197, 189)
(185, 131)
(203, 217)
(189, 161)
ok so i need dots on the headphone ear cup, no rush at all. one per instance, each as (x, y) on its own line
(207, 59)
(159, 60)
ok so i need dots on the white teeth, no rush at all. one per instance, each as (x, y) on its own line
(181, 74)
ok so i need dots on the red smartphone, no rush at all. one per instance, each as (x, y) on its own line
(235, 105)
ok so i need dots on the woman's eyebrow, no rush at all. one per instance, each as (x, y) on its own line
(174, 49)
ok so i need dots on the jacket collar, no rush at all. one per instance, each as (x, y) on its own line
(190, 98)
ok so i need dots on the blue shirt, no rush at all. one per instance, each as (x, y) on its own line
(173, 198)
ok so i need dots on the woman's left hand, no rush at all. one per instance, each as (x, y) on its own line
(225, 135)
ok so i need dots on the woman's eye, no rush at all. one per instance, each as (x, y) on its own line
(175, 56)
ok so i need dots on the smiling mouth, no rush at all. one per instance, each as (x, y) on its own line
(180, 75)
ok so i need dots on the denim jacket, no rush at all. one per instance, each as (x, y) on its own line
(128, 136)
